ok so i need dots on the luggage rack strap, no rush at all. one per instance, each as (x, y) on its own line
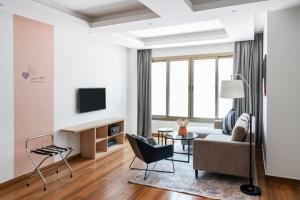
(57, 147)
(39, 151)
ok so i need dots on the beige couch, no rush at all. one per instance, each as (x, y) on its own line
(215, 152)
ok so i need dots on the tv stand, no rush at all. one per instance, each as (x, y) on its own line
(94, 137)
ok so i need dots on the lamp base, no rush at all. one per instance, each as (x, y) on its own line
(250, 189)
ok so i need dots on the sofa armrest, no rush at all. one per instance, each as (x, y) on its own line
(218, 123)
(226, 157)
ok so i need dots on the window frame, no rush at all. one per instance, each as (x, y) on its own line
(190, 59)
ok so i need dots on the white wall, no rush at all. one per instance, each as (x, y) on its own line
(132, 91)
(6, 98)
(265, 99)
(163, 52)
(283, 137)
(80, 60)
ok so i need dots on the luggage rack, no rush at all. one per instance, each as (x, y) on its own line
(47, 151)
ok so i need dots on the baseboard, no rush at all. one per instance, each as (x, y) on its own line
(282, 180)
(23, 177)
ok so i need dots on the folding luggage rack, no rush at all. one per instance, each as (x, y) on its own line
(47, 151)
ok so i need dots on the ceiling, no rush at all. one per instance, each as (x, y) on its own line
(169, 23)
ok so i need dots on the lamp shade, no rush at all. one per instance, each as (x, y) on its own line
(232, 89)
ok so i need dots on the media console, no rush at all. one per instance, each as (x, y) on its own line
(94, 137)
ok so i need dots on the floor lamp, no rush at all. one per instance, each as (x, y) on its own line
(234, 89)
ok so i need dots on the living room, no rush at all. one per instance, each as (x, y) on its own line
(146, 99)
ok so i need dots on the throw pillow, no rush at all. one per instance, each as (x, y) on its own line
(141, 138)
(150, 141)
(240, 129)
(229, 122)
(238, 134)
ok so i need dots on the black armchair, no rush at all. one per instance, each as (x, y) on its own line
(148, 151)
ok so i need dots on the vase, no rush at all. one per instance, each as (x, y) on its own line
(182, 131)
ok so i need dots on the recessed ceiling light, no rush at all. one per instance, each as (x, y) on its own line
(149, 24)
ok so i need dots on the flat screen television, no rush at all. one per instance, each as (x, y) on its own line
(91, 99)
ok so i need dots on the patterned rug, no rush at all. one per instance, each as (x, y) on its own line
(211, 185)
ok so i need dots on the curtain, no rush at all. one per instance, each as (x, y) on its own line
(248, 61)
(144, 60)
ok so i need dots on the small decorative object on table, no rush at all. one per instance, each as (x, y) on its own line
(182, 127)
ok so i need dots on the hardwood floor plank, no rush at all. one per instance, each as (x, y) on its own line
(107, 179)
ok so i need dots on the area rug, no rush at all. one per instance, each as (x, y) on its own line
(211, 185)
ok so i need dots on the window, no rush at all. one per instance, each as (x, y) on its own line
(189, 87)
(179, 84)
(159, 88)
(204, 88)
(225, 69)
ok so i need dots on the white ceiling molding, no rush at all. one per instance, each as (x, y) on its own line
(179, 29)
(104, 12)
(121, 18)
(145, 23)
(187, 37)
(62, 9)
(168, 7)
(198, 5)
(186, 44)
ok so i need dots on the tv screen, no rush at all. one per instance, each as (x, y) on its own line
(91, 99)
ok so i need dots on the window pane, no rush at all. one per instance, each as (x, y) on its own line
(204, 88)
(225, 70)
(179, 88)
(159, 86)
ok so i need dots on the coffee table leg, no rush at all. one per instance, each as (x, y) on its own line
(189, 150)
(158, 136)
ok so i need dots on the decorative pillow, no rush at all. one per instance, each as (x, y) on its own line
(229, 122)
(149, 140)
(238, 134)
(141, 138)
(240, 129)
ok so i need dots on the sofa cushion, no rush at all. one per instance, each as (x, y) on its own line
(229, 122)
(219, 137)
(204, 131)
(240, 129)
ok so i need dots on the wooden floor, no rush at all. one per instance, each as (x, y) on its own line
(107, 179)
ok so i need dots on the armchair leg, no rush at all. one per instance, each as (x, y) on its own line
(145, 177)
(196, 173)
(183, 147)
(148, 171)
(173, 165)
(132, 162)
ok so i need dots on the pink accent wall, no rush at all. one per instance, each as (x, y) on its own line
(33, 86)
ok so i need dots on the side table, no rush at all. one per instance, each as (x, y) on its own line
(161, 132)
